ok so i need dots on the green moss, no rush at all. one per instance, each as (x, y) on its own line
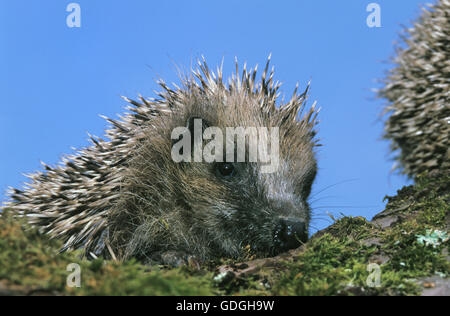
(327, 266)
(334, 262)
(30, 263)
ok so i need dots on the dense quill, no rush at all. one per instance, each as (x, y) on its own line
(125, 197)
(418, 91)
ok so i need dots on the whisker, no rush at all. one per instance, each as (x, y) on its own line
(322, 198)
(333, 185)
(324, 221)
(346, 206)
(320, 218)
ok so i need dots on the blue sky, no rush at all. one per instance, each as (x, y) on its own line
(56, 80)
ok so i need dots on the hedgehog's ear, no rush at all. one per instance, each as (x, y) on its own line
(194, 129)
(196, 124)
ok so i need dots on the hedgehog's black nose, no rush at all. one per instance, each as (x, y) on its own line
(290, 233)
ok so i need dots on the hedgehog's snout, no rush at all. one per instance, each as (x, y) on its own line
(289, 233)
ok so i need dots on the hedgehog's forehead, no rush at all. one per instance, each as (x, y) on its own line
(229, 110)
(224, 108)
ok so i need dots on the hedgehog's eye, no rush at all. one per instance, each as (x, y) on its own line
(225, 169)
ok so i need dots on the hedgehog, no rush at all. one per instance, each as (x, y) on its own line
(418, 93)
(126, 197)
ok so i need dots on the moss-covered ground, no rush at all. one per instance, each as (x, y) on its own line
(406, 242)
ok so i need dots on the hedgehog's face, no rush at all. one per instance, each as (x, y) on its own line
(242, 206)
(267, 211)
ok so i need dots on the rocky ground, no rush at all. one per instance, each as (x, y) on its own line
(402, 251)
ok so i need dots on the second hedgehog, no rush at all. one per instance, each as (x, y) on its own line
(126, 197)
